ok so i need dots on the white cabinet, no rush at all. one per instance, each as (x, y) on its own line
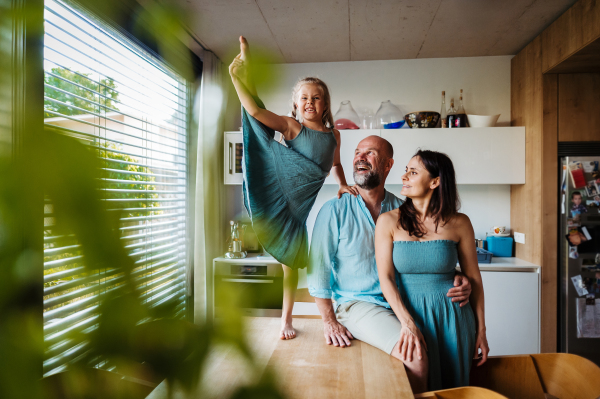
(232, 170)
(512, 312)
(480, 155)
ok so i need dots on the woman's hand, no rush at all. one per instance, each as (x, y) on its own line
(481, 345)
(347, 189)
(411, 338)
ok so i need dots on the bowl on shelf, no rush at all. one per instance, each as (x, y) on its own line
(482, 120)
(422, 119)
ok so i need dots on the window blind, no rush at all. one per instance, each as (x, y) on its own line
(106, 91)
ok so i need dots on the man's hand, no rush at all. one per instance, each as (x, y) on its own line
(336, 334)
(461, 290)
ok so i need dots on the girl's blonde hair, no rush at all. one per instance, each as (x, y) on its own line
(327, 116)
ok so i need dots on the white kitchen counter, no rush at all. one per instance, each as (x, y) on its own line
(498, 264)
(508, 265)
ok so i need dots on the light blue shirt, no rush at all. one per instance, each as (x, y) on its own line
(341, 262)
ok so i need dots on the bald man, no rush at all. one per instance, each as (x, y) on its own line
(342, 264)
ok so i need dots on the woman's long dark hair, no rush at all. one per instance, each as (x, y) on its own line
(444, 201)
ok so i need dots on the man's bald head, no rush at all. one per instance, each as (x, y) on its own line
(383, 147)
(373, 159)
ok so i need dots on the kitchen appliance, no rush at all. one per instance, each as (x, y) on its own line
(254, 285)
(579, 266)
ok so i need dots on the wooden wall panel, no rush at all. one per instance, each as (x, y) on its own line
(534, 204)
(526, 110)
(578, 26)
(549, 206)
(579, 107)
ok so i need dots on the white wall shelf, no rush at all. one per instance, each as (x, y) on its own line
(480, 155)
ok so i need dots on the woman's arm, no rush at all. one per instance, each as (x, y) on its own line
(467, 258)
(338, 171)
(410, 336)
(276, 122)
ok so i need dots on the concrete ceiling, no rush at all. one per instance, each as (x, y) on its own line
(295, 31)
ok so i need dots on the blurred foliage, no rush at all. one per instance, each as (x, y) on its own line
(85, 98)
(130, 335)
(111, 159)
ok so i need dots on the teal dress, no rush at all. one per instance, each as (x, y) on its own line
(281, 185)
(425, 274)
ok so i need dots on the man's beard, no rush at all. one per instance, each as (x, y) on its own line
(367, 181)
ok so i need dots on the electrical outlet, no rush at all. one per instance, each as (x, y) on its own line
(520, 238)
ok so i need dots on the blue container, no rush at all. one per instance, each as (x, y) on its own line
(483, 256)
(500, 246)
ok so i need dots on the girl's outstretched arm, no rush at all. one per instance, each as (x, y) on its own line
(276, 122)
(338, 171)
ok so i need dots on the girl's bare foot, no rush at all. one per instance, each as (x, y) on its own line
(245, 57)
(287, 330)
(244, 49)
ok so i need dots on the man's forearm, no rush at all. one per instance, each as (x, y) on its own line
(326, 309)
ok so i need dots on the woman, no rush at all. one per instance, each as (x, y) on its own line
(417, 247)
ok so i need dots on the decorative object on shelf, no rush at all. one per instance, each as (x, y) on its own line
(482, 120)
(367, 118)
(346, 117)
(451, 113)
(235, 248)
(422, 119)
(443, 121)
(389, 116)
(457, 118)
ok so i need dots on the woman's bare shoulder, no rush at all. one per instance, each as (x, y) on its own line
(461, 220)
(389, 217)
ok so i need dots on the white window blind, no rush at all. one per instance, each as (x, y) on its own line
(108, 92)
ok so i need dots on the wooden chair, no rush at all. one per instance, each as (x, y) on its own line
(462, 393)
(560, 375)
(568, 376)
(512, 376)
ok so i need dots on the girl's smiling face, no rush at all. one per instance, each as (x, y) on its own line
(310, 104)
(416, 181)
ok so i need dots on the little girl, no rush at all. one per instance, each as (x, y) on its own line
(281, 182)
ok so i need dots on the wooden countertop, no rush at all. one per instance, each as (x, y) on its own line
(306, 367)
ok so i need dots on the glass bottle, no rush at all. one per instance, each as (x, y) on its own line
(443, 121)
(461, 114)
(346, 117)
(389, 116)
(451, 116)
(367, 118)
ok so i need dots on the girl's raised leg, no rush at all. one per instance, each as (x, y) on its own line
(290, 284)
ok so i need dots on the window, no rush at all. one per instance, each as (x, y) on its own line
(106, 91)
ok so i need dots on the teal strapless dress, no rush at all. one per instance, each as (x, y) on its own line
(425, 274)
(281, 184)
